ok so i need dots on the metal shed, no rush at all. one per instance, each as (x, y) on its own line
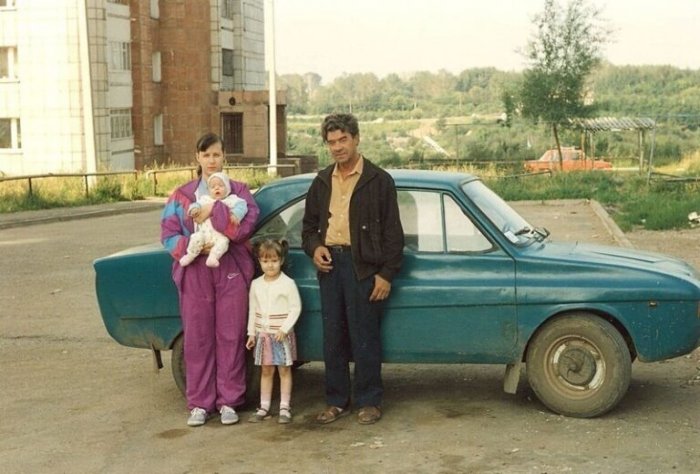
(641, 125)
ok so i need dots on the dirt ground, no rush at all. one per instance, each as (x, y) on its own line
(73, 400)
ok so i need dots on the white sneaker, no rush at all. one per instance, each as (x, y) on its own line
(198, 416)
(228, 415)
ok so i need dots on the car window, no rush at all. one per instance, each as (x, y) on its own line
(285, 225)
(421, 218)
(462, 234)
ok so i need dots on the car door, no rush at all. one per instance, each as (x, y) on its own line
(454, 299)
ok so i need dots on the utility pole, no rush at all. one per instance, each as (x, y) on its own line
(270, 60)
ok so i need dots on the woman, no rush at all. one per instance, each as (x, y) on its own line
(213, 301)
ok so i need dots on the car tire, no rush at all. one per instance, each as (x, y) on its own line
(579, 365)
(177, 362)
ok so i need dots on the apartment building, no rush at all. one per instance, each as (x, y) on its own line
(95, 85)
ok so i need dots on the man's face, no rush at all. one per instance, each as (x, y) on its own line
(343, 146)
(217, 189)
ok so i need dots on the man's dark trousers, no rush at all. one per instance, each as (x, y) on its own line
(351, 329)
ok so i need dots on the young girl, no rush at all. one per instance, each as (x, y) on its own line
(274, 308)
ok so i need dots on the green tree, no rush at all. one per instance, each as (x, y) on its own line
(563, 52)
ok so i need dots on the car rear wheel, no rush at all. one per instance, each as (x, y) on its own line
(177, 360)
(579, 365)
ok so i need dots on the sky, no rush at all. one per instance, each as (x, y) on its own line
(331, 37)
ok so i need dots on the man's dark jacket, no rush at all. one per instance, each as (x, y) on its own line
(376, 234)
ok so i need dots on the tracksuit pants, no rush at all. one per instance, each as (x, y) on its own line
(214, 310)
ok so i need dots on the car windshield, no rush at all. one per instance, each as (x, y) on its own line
(510, 223)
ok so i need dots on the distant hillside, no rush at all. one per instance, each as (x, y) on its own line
(463, 107)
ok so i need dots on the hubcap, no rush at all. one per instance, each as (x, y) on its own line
(578, 365)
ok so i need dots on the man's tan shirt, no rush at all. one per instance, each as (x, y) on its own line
(338, 232)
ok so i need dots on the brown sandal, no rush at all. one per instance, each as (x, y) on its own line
(369, 415)
(330, 414)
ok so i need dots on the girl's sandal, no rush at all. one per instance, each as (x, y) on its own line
(259, 415)
(285, 416)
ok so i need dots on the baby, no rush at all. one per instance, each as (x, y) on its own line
(219, 190)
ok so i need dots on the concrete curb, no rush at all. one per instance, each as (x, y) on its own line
(45, 216)
(609, 224)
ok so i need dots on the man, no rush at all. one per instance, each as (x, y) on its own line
(353, 233)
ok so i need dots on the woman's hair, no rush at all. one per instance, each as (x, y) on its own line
(269, 247)
(203, 144)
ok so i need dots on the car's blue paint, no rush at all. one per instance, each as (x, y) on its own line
(480, 307)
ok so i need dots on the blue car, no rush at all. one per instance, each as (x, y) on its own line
(479, 284)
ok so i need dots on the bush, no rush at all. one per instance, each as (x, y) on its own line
(107, 190)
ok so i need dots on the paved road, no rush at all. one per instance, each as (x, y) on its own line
(75, 401)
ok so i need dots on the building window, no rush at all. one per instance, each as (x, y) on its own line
(158, 129)
(8, 63)
(227, 62)
(121, 56)
(120, 122)
(227, 9)
(10, 134)
(233, 133)
(156, 66)
(155, 11)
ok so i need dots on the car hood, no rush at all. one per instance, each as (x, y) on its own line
(620, 257)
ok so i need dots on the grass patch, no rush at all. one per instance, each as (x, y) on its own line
(52, 192)
(629, 200)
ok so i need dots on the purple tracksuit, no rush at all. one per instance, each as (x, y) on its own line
(213, 301)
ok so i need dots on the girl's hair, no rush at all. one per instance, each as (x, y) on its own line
(269, 247)
(203, 144)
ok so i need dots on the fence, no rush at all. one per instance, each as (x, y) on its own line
(193, 170)
(152, 174)
(86, 178)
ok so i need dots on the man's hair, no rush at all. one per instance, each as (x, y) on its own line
(343, 122)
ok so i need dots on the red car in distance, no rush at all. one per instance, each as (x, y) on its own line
(574, 159)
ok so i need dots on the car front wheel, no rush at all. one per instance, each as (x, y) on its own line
(177, 362)
(579, 365)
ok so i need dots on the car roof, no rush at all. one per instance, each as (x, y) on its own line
(276, 193)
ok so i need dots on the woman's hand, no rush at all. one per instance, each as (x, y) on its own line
(204, 213)
(280, 335)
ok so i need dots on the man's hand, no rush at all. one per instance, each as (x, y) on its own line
(381, 290)
(322, 259)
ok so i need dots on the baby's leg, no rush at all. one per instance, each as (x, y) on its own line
(194, 248)
(218, 250)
